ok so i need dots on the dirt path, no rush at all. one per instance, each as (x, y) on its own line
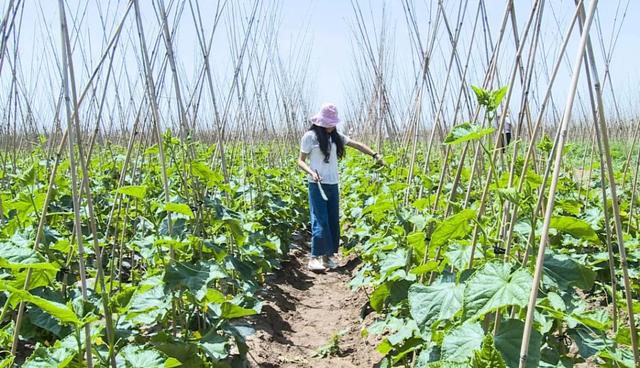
(301, 313)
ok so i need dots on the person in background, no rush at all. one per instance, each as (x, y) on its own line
(323, 145)
(505, 138)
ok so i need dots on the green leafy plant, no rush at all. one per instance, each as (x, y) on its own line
(332, 347)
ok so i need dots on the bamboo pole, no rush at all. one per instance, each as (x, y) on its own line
(38, 239)
(603, 188)
(74, 181)
(634, 188)
(524, 348)
(603, 140)
(490, 173)
(424, 76)
(89, 198)
(528, 157)
(205, 53)
(152, 98)
(5, 29)
(184, 126)
(488, 78)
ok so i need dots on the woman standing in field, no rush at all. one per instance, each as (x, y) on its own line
(324, 145)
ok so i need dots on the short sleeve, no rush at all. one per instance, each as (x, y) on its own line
(306, 143)
(345, 138)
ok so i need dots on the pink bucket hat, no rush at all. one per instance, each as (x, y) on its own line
(327, 117)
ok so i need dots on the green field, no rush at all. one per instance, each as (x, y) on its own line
(153, 212)
(175, 275)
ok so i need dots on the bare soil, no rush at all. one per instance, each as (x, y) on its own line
(301, 313)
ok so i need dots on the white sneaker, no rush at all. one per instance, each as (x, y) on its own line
(330, 262)
(316, 264)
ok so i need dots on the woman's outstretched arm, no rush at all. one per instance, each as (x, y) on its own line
(366, 150)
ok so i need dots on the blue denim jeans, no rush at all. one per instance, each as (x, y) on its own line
(325, 222)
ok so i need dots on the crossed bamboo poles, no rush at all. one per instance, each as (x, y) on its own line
(246, 99)
(526, 74)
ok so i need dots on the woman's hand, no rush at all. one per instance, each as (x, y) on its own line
(315, 176)
(367, 151)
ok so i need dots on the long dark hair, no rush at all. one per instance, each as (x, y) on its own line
(323, 140)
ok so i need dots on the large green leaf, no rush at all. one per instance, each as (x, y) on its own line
(204, 172)
(496, 97)
(215, 296)
(576, 227)
(434, 303)
(407, 347)
(136, 191)
(148, 303)
(62, 353)
(545, 144)
(454, 227)
(186, 353)
(26, 205)
(393, 261)
(488, 356)
(58, 356)
(494, 286)
(379, 296)
(389, 292)
(490, 99)
(44, 320)
(134, 356)
(460, 343)
(229, 310)
(379, 209)
(415, 240)
(459, 255)
(427, 267)
(192, 277)
(566, 272)
(508, 341)
(598, 319)
(28, 176)
(12, 254)
(533, 179)
(61, 312)
(621, 358)
(482, 96)
(467, 132)
(180, 208)
(39, 277)
(215, 346)
(34, 266)
(235, 226)
(589, 342)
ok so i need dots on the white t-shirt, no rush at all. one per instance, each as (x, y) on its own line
(328, 171)
(507, 125)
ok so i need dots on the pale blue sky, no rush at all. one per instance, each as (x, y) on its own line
(332, 30)
(322, 27)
